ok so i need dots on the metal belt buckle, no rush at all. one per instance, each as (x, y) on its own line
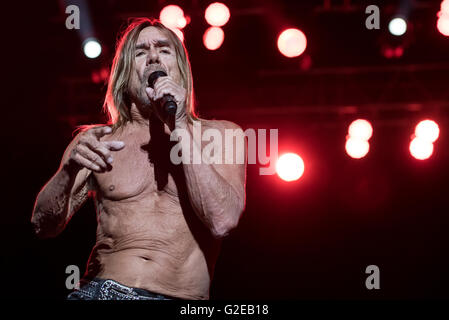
(110, 285)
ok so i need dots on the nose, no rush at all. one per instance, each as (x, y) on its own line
(153, 56)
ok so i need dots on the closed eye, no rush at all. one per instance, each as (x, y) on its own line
(139, 53)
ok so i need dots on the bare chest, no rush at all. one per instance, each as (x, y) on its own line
(137, 169)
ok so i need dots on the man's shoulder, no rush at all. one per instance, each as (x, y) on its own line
(87, 127)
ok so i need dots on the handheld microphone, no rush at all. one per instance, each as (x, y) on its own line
(167, 101)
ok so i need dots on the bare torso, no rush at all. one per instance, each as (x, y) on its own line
(147, 235)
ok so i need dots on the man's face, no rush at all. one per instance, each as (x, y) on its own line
(154, 51)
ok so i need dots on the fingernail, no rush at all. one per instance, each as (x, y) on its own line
(110, 160)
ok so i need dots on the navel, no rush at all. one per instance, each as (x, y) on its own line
(111, 187)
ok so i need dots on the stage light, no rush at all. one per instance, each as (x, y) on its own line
(213, 38)
(443, 25)
(360, 129)
(388, 52)
(104, 74)
(290, 167)
(91, 48)
(427, 130)
(95, 77)
(101, 75)
(443, 18)
(397, 26)
(182, 22)
(292, 43)
(421, 149)
(391, 52)
(445, 6)
(398, 52)
(217, 14)
(172, 17)
(356, 148)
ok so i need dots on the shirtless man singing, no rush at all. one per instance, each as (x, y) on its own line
(160, 224)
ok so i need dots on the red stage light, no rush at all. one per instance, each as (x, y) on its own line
(445, 6)
(356, 148)
(388, 52)
(95, 77)
(213, 38)
(427, 130)
(361, 129)
(290, 167)
(182, 22)
(217, 14)
(104, 74)
(292, 42)
(172, 17)
(443, 19)
(443, 25)
(421, 149)
(398, 51)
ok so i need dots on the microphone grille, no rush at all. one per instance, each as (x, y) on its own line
(153, 77)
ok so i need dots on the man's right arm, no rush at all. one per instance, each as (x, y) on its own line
(61, 196)
(68, 189)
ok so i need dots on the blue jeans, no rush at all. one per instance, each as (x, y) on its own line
(106, 289)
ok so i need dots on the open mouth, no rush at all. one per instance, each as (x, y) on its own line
(154, 75)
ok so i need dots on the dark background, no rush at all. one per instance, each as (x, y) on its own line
(312, 238)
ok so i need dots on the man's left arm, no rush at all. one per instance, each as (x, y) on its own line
(217, 190)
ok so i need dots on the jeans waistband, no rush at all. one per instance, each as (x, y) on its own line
(106, 286)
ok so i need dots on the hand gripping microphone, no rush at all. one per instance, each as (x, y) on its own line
(167, 101)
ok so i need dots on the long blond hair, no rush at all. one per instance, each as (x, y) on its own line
(117, 102)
